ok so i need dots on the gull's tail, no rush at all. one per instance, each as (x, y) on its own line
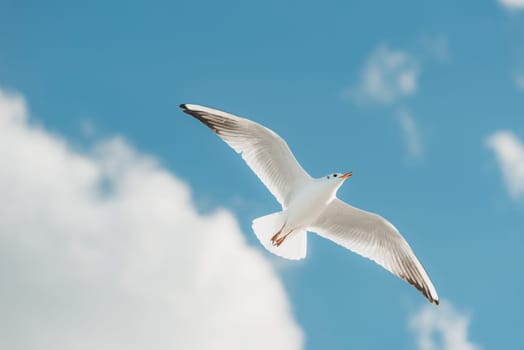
(293, 247)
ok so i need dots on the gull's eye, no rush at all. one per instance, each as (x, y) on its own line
(334, 175)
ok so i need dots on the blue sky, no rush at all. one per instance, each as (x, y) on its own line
(423, 102)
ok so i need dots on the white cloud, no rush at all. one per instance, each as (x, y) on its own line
(512, 4)
(411, 134)
(442, 328)
(106, 250)
(387, 76)
(390, 75)
(509, 151)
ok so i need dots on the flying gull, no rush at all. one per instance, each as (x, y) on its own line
(310, 204)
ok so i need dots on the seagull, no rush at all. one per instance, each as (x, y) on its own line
(310, 204)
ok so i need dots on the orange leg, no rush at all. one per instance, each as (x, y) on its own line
(275, 238)
(282, 239)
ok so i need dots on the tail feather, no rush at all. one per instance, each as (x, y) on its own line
(294, 246)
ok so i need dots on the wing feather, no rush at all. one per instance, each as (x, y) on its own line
(266, 153)
(375, 238)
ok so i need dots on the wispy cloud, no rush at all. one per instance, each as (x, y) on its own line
(519, 80)
(387, 76)
(390, 76)
(106, 250)
(435, 47)
(411, 134)
(509, 151)
(512, 4)
(442, 328)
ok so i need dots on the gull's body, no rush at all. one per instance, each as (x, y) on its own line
(310, 204)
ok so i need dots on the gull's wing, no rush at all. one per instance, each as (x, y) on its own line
(375, 238)
(266, 153)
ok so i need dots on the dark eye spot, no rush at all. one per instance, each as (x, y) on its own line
(327, 177)
(334, 175)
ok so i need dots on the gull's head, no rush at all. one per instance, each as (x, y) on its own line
(337, 178)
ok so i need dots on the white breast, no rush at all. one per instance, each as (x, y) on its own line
(308, 203)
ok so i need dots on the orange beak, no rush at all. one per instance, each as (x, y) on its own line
(346, 175)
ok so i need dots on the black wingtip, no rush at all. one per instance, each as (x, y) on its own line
(185, 109)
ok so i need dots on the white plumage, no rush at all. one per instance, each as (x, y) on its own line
(310, 204)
